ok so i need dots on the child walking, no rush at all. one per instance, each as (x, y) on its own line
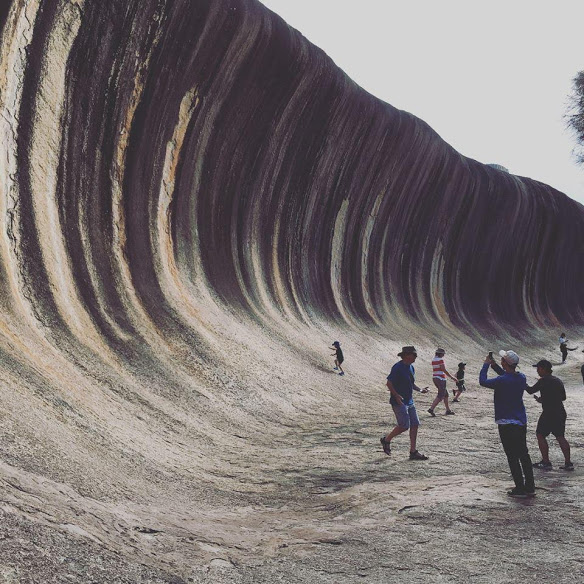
(338, 354)
(460, 383)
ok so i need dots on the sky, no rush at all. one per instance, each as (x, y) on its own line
(492, 78)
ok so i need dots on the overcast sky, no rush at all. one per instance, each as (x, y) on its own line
(492, 78)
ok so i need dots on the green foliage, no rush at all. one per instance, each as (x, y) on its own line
(575, 115)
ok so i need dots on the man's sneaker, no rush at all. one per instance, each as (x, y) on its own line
(543, 465)
(342, 373)
(417, 456)
(431, 412)
(450, 413)
(529, 494)
(517, 493)
(568, 466)
(386, 445)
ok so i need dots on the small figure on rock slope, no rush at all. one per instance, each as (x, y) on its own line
(339, 358)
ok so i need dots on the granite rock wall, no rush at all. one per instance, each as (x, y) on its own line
(153, 149)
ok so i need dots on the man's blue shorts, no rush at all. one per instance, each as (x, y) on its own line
(406, 416)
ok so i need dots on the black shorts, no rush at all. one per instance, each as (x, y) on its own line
(552, 424)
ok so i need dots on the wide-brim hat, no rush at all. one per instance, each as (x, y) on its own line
(409, 350)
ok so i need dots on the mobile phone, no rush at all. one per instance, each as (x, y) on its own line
(491, 356)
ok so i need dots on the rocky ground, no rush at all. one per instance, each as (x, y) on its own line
(313, 499)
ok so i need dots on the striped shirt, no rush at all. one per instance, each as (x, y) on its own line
(437, 363)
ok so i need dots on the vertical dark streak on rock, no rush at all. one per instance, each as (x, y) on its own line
(32, 269)
(4, 10)
(89, 137)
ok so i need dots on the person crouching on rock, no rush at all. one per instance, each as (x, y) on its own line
(339, 358)
(401, 383)
(511, 419)
(553, 415)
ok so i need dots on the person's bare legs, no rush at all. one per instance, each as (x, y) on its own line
(397, 430)
(544, 448)
(436, 402)
(565, 448)
(413, 438)
(446, 403)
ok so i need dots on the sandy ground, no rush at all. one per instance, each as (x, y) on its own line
(311, 497)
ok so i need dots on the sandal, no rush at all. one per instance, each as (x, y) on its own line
(386, 445)
(417, 456)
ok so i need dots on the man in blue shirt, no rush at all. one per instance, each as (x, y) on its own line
(401, 383)
(511, 418)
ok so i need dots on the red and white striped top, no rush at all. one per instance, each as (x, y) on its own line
(437, 362)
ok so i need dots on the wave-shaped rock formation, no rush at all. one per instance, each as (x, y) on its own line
(194, 199)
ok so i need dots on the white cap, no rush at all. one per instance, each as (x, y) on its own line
(510, 356)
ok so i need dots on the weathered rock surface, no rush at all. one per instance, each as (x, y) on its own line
(194, 201)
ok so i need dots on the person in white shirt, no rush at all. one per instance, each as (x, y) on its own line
(564, 347)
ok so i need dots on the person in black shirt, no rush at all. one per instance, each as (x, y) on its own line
(553, 416)
(339, 357)
(460, 387)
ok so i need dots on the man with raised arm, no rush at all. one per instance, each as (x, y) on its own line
(511, 419)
